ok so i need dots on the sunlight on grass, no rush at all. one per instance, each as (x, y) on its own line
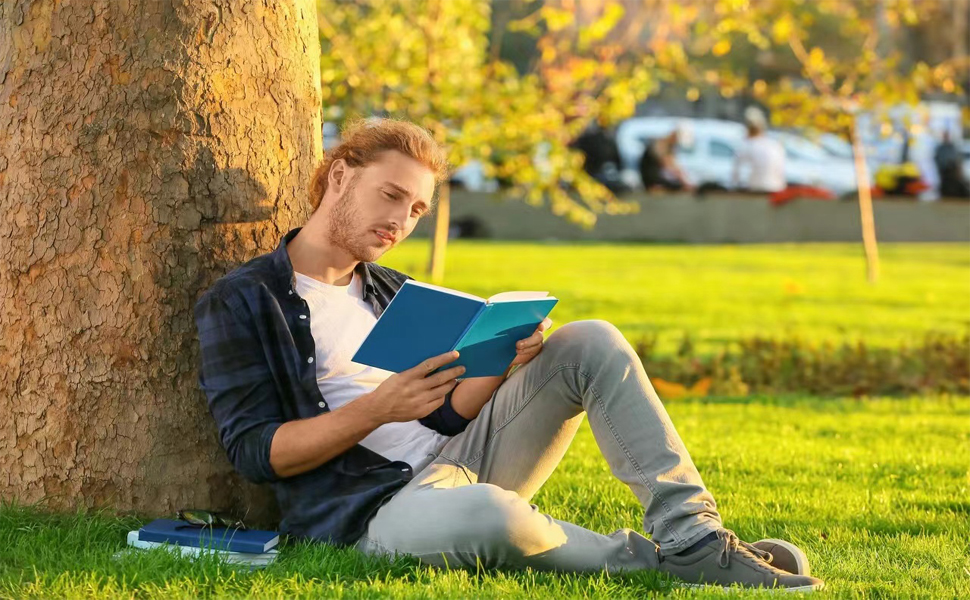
(875, 492)
(723, 293)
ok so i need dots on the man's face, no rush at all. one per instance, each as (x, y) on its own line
(380, 205)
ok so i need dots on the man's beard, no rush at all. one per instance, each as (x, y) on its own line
(344, 228)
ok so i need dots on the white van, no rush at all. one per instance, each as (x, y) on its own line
(708, 150)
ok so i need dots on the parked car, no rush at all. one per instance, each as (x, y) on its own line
(708, 153)
(331, 135)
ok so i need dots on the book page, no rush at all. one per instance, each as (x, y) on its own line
(444, 289)
(517, 296)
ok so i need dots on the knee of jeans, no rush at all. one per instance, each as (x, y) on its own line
(505, 523)
(587, 341)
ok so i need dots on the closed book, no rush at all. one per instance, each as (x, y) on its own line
(425, 320)
(242, 558)
(219, 538)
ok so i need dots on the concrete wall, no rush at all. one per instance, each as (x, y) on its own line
(720, 219)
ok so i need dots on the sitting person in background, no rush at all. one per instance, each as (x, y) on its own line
(659, 168)
(953, 182)
(761, 158)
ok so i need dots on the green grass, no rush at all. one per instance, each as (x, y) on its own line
(723, 293)
(875, 491)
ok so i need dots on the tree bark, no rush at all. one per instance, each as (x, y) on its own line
(439, 238)
(146, 148)
(869, 244)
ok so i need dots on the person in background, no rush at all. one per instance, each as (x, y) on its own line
(602, 156)
(659, 168)
(761, 158)
(953, 182)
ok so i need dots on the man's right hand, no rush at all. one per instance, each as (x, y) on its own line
(414, 393)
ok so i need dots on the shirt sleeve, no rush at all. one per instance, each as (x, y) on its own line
(445, 420)
(238, 385)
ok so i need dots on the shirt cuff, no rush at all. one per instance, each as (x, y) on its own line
(451, 422)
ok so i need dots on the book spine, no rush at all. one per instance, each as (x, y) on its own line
(135, 542)
(200, 540)
(468, 327)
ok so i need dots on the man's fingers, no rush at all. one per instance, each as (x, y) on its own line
(439, 392)
(429, 365)
(533, 340)
(444, 376)
(546, 324)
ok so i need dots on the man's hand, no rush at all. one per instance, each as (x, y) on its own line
(413, 394)
(530, 347)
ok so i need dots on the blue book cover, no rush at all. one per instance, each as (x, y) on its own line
(424, 320)
(221, 538)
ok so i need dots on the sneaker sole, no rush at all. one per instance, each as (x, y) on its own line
(804, 589)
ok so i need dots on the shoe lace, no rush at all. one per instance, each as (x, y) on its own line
(731, 544)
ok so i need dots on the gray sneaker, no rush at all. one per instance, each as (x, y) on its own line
(728, 561)
(784, 555)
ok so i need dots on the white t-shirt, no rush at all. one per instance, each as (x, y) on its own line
(762, 159)
(340, 319)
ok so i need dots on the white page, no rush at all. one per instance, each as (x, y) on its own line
(444, 289)
(517, 296)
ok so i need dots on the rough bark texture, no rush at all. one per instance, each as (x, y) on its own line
(146, 148)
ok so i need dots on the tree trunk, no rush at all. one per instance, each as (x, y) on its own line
(439, 238)
(146, 148)
(865, 207)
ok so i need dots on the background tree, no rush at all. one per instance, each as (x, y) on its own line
(439, 72)
(146, 148)
(824, 63)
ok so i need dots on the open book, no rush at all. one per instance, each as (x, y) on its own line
(425, 320)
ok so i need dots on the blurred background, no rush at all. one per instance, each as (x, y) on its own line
(608, 150)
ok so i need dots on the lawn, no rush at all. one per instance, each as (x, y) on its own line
(875, 491)
(723, 293)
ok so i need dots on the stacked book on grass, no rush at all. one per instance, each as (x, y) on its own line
(254, 547)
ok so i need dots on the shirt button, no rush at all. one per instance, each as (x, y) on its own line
(309, 359)
(302, 316)
(322, 404)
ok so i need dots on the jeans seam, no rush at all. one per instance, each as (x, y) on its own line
(633, 462)
(528, 400)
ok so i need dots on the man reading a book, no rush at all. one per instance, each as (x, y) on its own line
(424, 461)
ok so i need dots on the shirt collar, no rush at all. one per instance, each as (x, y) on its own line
(284, 268)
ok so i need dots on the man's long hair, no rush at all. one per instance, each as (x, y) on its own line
(364, 139)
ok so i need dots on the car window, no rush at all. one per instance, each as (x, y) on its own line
(801, 148)
(720, 149)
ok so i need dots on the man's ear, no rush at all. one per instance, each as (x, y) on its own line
(339, 175)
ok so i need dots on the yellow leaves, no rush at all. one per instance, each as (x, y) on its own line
(721, 48)
(670, 390)
(598, 30)
(549, 54)
(782, 29)
(792, 287)
(816, 59)
(556, 19)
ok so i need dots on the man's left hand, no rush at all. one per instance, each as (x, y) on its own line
(530, 347)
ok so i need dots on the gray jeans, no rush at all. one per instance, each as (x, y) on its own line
(471, 505)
